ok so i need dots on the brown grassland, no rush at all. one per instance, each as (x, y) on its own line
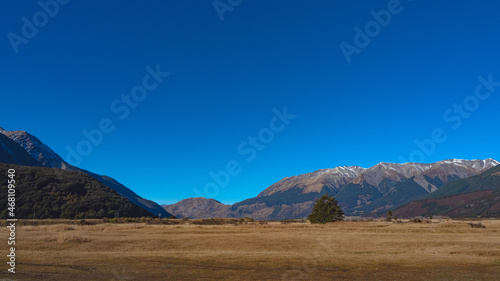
(360, 250)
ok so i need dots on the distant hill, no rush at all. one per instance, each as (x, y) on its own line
(470, 197)
(200, 208)
(46, 157)
(44, 193)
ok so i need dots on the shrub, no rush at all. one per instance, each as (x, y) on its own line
(84, 222)
(477, 225)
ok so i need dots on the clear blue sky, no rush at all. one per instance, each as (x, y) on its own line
(227, 76)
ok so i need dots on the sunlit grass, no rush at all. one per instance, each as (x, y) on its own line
(445, 250)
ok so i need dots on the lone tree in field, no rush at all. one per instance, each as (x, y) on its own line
(326, 209)
(388, 215)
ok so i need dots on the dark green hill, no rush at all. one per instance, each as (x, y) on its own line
(44, 193)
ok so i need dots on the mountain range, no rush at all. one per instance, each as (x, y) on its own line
(455, 187)
(22, 148)
(360, 191)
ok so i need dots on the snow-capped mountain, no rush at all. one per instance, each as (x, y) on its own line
(360, 191)
(476, 196)
(315, 181)
(425, 175)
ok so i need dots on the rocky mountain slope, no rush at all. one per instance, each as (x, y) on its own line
(470, 197)
(360, 191)
(12, 153)
(38, 150)
(46, 157)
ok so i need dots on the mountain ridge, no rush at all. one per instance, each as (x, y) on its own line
(478, 195)
(12, 153)
(46, 157)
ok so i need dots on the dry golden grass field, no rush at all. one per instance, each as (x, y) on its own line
(437, 250)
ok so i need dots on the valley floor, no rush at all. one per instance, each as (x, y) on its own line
(439, 250)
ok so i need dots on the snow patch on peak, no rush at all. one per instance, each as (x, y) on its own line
(476, 164)
(348, 171)
(492, 162)
(455, 161)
